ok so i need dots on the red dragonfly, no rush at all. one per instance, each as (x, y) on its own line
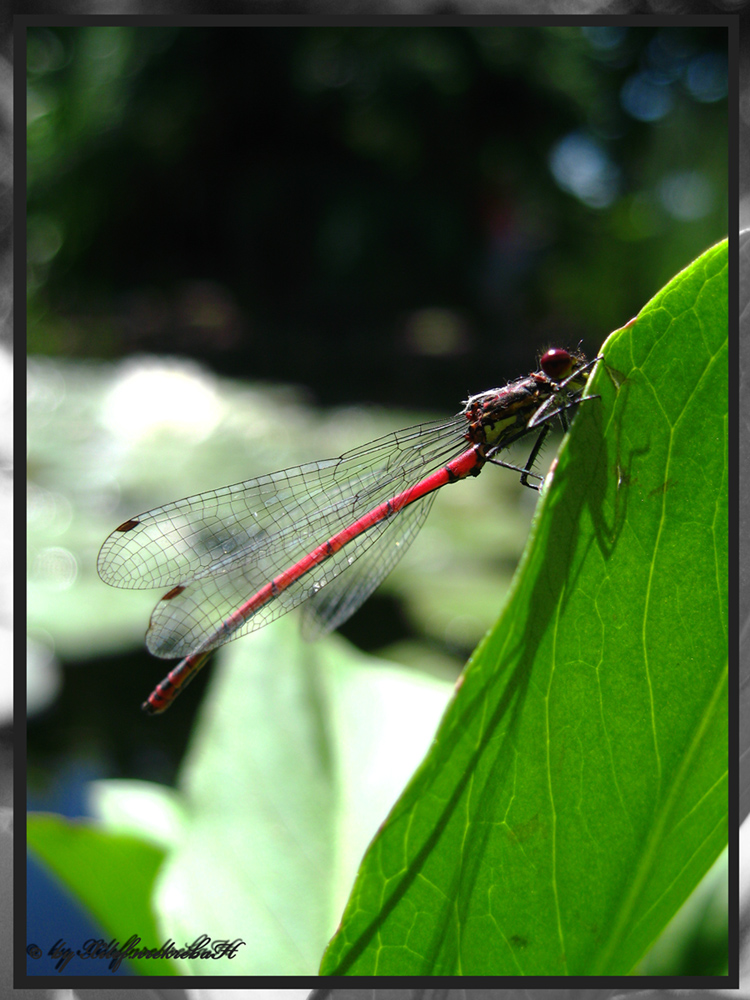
(236, 558)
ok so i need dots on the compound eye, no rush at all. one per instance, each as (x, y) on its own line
(556, 363)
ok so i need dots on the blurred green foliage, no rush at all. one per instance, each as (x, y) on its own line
(376, 212)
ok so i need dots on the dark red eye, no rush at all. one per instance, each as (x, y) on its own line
(556, 363)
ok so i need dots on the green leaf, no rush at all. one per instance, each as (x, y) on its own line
(302, 750)
(576, 791)
(110, 873)
(299, 752)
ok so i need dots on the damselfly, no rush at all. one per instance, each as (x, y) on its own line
(236, 558)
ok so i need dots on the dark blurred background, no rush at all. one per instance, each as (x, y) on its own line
(400, 215)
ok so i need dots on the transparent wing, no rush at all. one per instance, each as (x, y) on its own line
(265, 520)
(332, 605)
(180, 623)
(217, 549)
